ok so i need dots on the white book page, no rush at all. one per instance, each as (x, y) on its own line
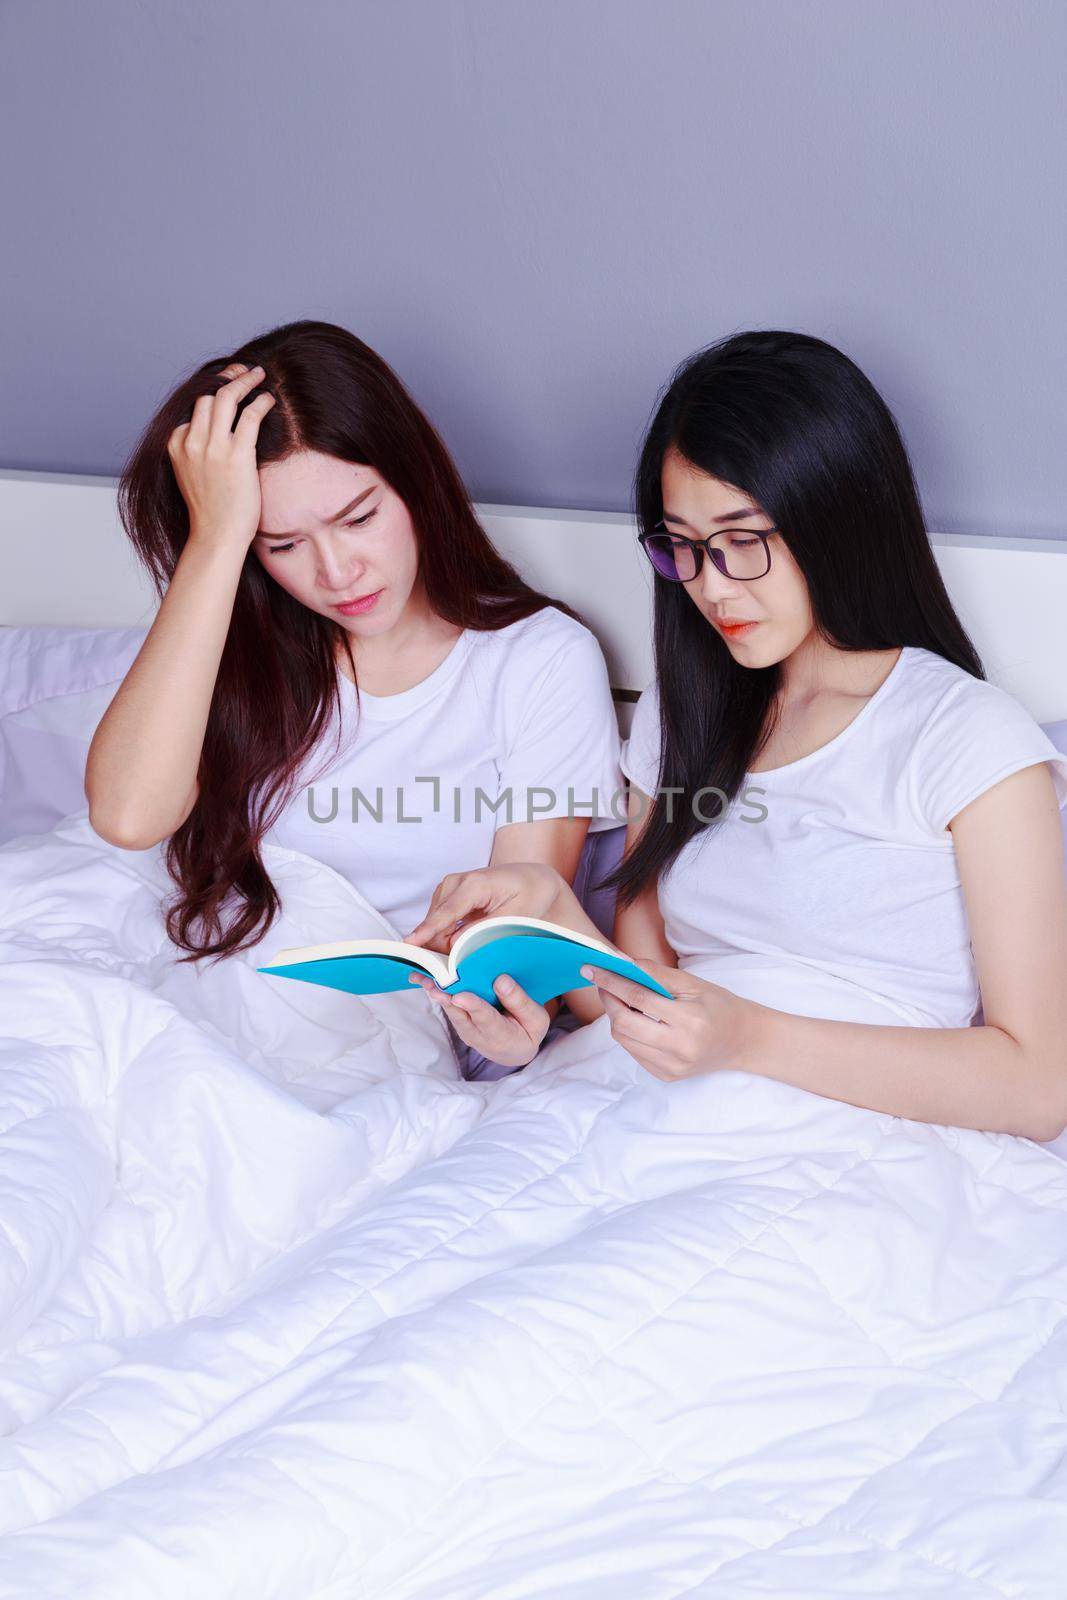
(490, 928)
(429, 960)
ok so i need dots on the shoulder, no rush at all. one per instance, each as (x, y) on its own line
(926, 679)
(547, 627)
(945, 696)
(968, 735)
(546, 638)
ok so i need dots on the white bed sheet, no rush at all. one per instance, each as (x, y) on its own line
(55, 685)
(288, 1309)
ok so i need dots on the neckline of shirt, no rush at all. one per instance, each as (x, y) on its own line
(891, 677)
(389, 707)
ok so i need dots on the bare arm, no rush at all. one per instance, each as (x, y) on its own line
(1007, 1076)
(557, 841)
(141, 772)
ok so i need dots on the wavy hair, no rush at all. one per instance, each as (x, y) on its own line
(276, 687)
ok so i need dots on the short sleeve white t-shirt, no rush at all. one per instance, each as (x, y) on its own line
(830, 888)
(514, 725)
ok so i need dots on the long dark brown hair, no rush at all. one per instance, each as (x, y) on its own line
(276, 688)
(794, 423)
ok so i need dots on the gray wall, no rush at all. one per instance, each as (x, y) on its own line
(534, 208)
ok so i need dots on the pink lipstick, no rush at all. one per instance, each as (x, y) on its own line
(356, 608)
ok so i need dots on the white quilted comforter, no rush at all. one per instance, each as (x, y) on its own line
(289, 1311)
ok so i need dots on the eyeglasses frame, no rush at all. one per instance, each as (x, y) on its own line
(702, 547)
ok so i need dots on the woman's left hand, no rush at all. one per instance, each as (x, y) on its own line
(705, 1028)
(511, 1037)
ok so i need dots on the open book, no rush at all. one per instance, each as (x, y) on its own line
(542, 957)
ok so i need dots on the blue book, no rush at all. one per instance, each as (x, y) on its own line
(542, 957)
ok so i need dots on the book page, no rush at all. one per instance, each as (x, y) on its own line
(428, 961)
(487, 929)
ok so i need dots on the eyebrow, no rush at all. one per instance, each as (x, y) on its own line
(730, 516)
(351, 506)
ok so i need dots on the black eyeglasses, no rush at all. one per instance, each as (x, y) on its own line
(743, 553)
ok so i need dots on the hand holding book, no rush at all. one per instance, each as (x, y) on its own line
(544, 958)
(473, 958)
(526, 888)
(510, 1036)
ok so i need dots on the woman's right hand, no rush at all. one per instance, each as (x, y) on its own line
(526, 889)
(215, 463)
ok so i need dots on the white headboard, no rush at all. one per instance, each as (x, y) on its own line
(66, 561)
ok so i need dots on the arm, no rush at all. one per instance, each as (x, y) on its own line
(1010, 1074)
(556, 841)
(1007, 1076)
(140, 775)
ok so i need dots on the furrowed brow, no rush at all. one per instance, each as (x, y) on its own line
(351, 506)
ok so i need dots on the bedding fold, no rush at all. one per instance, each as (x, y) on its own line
(290, 1309)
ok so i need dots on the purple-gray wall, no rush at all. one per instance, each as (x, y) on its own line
(534, 208)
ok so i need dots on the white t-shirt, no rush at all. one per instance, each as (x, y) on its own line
(523, 714)
(831, 889)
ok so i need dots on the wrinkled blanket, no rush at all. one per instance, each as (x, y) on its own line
(291, 1311)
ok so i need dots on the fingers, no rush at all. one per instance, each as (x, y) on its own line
(471, 1017)
(632, 994)
(496, 1033)
(454, 900)
(635, 1033)
(213, 414)
(457, 1016)
(176, 442)
(629, 1027)
(480, 1023)
(440, 997)
(199, 425)
(427, 932)
(640, 1037)
(471, 1005)
(228, 398)
(434, 933)
(252, 416)
(531, 1017)
(486, 1018)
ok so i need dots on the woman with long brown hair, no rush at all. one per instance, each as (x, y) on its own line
(321, 572)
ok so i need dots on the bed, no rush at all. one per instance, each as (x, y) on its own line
(290, 1309)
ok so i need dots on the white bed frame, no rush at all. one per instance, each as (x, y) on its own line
(67, 562)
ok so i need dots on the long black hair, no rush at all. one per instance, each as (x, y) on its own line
(796, 425)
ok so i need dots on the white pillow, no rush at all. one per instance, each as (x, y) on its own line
(55, 685)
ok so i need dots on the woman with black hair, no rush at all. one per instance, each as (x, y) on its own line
(842, 840)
